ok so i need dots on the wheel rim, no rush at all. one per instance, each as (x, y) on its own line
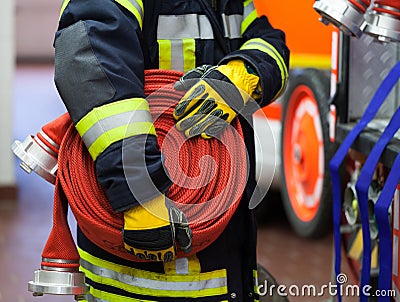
(303, 153)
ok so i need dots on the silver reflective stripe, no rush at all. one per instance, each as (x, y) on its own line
(154, 283)
(248, 10)
(138, 7)
(184, 26)
(114, 121)
(232, 25)
(182, 266)
(177, 60)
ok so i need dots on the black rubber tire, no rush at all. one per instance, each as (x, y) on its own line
(321, 222)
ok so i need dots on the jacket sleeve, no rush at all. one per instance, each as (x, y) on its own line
(265, 50)
(99, 74)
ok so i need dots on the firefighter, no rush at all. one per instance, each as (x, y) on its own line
(102, 48)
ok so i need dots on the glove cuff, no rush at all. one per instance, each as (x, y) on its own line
(237, 72)
(152, 214)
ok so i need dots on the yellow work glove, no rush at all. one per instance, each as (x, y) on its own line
(150, 231)
(216, 94)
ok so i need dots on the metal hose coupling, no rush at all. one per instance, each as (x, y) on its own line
(59, 277)
(37, 157)
(351, 207)
(59, 273)
(347, 15)
(383, 21)
(39, 153)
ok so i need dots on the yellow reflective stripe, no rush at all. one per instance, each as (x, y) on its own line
(109, 110)
(255, 281)
(154, 291)
(194, 265)
(145, 274)
(112, 122)
(105, 296)
(135, 7)
(261, 45)
(164, 54)
(189, 54)
(250, 14)
(246, 22)
(149, 283)
(177, 54)
(63, 6)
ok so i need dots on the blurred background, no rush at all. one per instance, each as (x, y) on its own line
(28, 100)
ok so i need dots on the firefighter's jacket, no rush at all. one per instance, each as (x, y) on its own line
(102, 48)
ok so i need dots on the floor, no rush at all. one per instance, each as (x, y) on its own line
(25, 223)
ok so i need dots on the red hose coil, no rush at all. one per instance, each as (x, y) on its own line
(362, 5)
(391, 7)
(224, 179)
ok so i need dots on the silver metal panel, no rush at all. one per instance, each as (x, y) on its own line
(370, 62)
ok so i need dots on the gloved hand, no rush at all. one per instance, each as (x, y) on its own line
(215, 98)
(150, 232)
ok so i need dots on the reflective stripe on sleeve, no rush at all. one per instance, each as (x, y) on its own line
(249, 15)
(133, 6)
(261, 45)
(113, 122)
(147, 283)
(63, 6)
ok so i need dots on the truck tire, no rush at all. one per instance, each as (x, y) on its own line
(305, 153)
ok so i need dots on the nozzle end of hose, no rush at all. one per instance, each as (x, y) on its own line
(384, 27)
(342, 14)
(35, 158)
(58, 283)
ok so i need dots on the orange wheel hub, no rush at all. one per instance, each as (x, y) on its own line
(303, 153)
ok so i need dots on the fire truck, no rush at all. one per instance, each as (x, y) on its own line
(296, 164)
(347, 127)
(366, 96)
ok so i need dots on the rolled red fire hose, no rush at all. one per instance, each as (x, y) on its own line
(207, 194)
(362, 5)
(391, 7)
